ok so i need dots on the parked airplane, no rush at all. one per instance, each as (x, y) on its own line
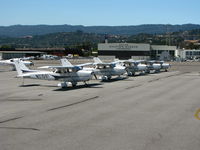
(104, 71)
(132, 66)
(10, 62)
(152, 65)
(49, 57)
(69, 75)
(164, 66)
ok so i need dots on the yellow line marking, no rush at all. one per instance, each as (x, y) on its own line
(197, 114)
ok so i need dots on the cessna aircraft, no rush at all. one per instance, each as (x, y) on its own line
(10, 62)
(69, 75)
(164, 66)
(104, 71)
(152, 65)
(132, 66)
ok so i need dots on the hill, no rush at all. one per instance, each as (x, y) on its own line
(90, 40)
(25, 30)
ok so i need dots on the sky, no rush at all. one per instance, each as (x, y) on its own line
(99, 12)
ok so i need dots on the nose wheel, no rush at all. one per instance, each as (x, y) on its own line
(74, 84)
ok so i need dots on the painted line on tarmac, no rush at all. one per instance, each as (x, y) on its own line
(79, 102)
(23, 100)
(157, 79)
(20, 128)
(197, 114)
(131, 87)
(11, 119)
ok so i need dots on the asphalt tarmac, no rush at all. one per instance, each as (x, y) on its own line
(146, 112)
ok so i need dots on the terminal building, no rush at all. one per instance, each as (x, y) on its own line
(136, 51)
(188, 54)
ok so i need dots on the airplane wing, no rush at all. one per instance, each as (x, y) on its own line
(102, 65)
(57, 67)
(2, 62)
(6, 62)
(62, 68)
(82, 65)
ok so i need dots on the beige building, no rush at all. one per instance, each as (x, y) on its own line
(136, 51)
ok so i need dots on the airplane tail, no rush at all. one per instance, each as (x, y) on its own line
(65, 62)
(97, 60)
(20, 67)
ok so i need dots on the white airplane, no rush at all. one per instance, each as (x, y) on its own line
(51, 57)
(152, 65)
(69, 75)
(104, 71)
(132, 66)
(164, 66)
(10, 62)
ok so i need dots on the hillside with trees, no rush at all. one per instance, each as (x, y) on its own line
(82, 40)
(32, 30)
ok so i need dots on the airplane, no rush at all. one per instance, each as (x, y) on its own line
(132, 66)
(105, 71)
(68, 75)
(152, 65)
(10, 62)
(49, 57)
(164, 66)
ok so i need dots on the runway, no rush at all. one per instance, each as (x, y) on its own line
(148, 112)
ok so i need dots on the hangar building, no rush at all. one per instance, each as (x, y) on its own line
(18, 54)
(124, 50)
(136, 51)
(26, 52)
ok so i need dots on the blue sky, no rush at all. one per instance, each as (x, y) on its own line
(99, 12)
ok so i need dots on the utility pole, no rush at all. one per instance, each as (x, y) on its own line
(168, 38)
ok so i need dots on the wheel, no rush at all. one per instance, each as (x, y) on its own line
(62, 85)
(74, 84)
(148, 71)
(129, 73)
(133, 73)
(109, 77)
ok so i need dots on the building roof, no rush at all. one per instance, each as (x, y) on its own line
(26, 52)
(40, 49)
(163, 47)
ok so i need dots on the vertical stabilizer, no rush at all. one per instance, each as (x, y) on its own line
(65, 63)
(97, 60)
(20, 67)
